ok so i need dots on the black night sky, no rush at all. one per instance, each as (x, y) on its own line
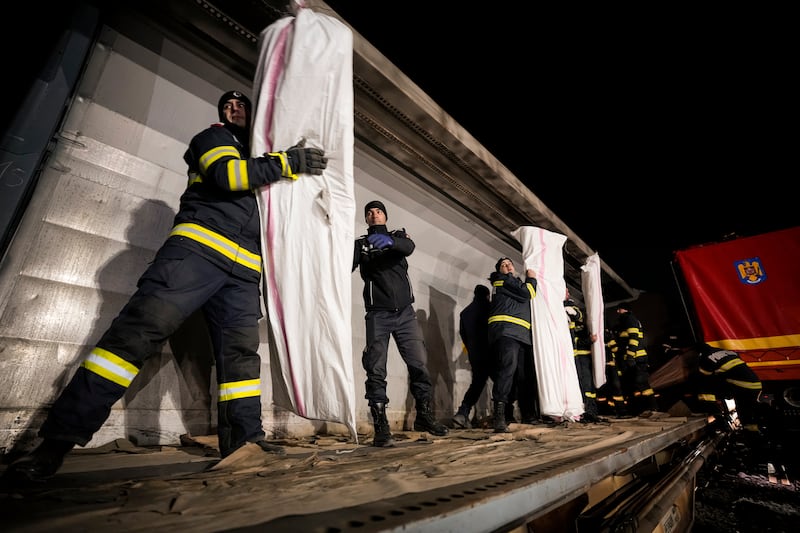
(645, 132)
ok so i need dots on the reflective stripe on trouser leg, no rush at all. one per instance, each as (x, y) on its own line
(135, 335)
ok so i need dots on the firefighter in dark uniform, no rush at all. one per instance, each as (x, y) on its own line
(631, 356)
(582, 350)
(610, 394)
(210, 261)
(722, 375)
(511, 341)
(380, 256)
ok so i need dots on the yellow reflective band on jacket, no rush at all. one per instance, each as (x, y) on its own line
(286, 169)
(110, 366)
(582, 352)
(217, 242)
(239, 389)
(707, 397)
(238, 179)
(508, 318)
(194, 177)
(213, 155)
(531, 290)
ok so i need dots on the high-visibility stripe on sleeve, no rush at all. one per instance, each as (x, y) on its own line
(531, 289)
(213, 155)
(110, 366)
(239, 389)
(238, 179)
(286, 169)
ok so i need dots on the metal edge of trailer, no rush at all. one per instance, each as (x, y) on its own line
(493, 503)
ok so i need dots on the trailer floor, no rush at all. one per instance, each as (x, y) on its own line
(329, 484)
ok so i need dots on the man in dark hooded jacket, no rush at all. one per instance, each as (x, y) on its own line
(388, 297)
(211, 260)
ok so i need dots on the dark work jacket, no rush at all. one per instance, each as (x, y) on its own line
(473, 327)
(727, 365)
(387, 286)
(581, 339)
(630, 339)
(510, 313)
(218, 216)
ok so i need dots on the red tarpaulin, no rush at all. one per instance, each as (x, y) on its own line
(746, 294)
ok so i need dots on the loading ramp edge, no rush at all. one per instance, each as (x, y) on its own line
(493, 503)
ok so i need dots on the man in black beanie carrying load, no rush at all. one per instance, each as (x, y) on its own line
(388, 297)
(211, 261)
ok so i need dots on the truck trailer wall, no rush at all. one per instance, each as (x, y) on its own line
(104, 204)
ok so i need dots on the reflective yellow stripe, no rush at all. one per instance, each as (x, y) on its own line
(217, 242)
(208, 158)
(707, 397)
(730, 364)
(239, 389)
(110, 366)
(752, 385)
(530, 289)
(194, 177)
(238, 179)
(508, 318)
(286, 169)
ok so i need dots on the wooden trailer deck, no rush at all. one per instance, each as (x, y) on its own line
(471, 480)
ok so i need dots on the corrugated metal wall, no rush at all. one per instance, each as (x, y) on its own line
(103, 206)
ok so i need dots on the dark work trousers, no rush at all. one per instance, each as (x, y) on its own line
(716, 388)
(176, 284)
(636, 387)
(515, 374)
(403, 326)
(481, 367)
(583, 364)
(612, 390)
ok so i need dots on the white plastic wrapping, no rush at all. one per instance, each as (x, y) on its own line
(559, 391)
(303, 88)
(593, 296)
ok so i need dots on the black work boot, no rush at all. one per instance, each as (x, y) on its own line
(383, 436)
(500, 417)
(271, 448)
(40, 464)
(509, 414)
(461, 418)
(426, 422)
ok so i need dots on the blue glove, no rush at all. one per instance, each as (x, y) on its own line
(380, 240)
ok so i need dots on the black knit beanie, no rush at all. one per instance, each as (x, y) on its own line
(239, 96)
(379, 205)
